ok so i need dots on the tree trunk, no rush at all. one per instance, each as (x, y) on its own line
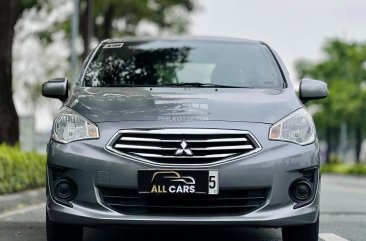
(107, 25)
(9, 127)
(87, 26)
(358, 143)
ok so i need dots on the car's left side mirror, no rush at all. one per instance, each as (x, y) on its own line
(56, 88)
(312, 90)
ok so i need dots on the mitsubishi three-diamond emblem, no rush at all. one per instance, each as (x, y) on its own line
(183, 151)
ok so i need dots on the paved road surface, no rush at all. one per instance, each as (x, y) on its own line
(343, 218)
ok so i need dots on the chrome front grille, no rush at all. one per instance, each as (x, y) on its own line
(184, 146)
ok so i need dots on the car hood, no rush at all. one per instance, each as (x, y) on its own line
(183, 104)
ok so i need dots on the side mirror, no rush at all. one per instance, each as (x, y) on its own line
(312, 90)
(56, 88)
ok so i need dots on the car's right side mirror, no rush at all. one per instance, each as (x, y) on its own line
(312, 90)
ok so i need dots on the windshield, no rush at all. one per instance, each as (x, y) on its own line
(183, 63)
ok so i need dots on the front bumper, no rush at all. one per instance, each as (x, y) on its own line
(276, 167)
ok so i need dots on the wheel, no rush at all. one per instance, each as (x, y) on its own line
(309, 232)
(63, 232)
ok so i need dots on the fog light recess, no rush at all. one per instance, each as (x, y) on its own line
(301, 190)
(65, 189)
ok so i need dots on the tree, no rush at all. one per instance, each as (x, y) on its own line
(87, 25)
(344, 71)
(9, 130)
(122, 17)
(9, 13)
(99, 18)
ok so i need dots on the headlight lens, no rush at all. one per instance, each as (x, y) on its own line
(297, 127)
(70, 126)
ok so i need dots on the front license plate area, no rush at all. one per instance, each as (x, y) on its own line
(178, 182)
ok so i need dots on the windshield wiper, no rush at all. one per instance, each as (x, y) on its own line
(128, 85)
(197, 84)
(187, 84)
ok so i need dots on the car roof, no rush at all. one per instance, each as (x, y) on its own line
(184, 38)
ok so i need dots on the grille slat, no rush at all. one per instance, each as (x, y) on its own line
(227, 202)
(215, 148)
(184, 146)
(185, 157)
(126, 138)
(220, 140)
(124, 146)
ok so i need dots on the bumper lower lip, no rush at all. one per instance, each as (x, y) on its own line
(265, 217)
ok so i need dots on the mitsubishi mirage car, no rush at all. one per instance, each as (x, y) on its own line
(183, 131)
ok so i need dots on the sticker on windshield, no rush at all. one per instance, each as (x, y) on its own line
(113, 46)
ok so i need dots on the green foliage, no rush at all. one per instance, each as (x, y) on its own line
(26, 4)
(344, 70)
(20, 170)
(334, 159)
(342, 168)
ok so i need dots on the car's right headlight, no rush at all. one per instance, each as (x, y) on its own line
(298, 127)
(70, 126)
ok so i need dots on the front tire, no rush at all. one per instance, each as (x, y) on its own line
(63, 232)
(309, 232)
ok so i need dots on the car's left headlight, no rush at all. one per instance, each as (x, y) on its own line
(71, 126)
(298, 127)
